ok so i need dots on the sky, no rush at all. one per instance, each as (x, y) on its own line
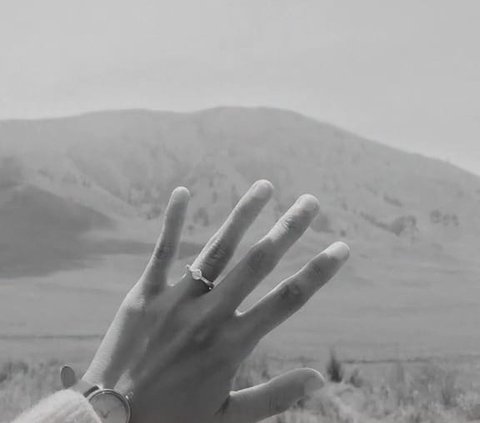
(405, 73)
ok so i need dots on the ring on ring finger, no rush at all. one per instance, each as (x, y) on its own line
(196, 275)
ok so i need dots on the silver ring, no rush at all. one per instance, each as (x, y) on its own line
(197, 276)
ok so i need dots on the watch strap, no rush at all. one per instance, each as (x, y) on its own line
(88, 390)
(69, 381)
(85, 388)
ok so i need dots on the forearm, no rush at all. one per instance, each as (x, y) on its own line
(65, 406)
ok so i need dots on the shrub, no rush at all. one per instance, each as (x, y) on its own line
(335, 371)
(392, 200)
(11, 172)
(469, 403)
(355, 379)
(403, 224)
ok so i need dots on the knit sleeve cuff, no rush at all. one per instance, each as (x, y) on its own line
(65, 406)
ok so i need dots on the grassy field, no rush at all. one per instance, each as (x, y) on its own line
(406, 334)
(397, 392)
(405, 321)
(382, 305)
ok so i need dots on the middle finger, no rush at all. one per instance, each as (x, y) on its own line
(264, 256)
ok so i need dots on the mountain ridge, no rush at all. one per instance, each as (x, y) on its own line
(124, 164)
(139, 110)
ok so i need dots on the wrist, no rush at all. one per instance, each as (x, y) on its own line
(110, 405)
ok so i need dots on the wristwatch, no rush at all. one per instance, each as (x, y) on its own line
(110, 405)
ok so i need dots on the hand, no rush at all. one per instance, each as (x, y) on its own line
(177, 347)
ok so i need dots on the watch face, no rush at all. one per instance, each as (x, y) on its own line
(110, 406)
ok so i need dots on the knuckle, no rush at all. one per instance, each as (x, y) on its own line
(203, 337)
(317, 270)
(241, 215)
(275, 405)
(262, 258)
(164, 250)
(292, 293)
(150, 284)
(134, 307)
(293, 224)
(220, 252)
(203, 326)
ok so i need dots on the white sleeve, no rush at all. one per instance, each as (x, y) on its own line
(65, 406)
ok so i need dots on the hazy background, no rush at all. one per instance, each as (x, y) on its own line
(403, 72)
(106, 106)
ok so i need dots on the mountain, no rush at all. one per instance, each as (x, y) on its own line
(76, 189)
(125, 163)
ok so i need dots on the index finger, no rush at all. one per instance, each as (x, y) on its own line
(168, 242)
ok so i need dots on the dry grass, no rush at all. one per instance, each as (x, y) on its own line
(404, 394)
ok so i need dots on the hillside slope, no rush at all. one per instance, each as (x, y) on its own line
(126, 162)
(80, 199)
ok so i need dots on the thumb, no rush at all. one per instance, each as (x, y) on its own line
(68, 377)
(273, 397)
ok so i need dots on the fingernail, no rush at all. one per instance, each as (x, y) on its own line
(338, 251)
(182, 191)
(309, 203)
(262, 189)
(67, 376)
